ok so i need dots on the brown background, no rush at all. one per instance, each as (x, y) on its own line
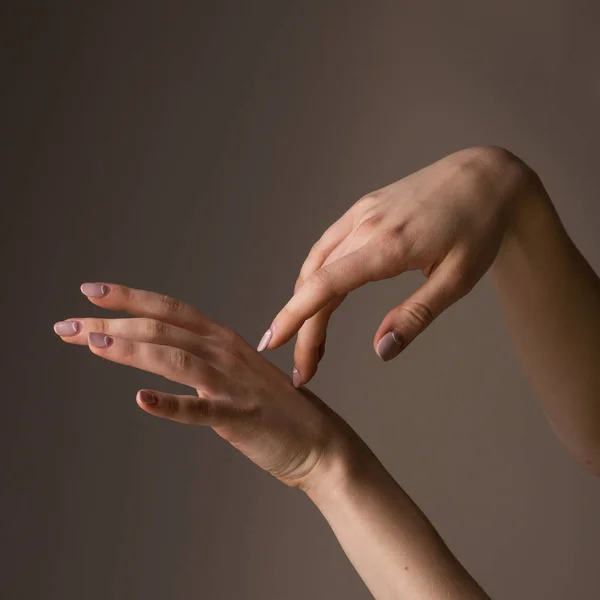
(199, 149)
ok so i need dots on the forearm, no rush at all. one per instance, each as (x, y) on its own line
(391, 543)
(550, 297)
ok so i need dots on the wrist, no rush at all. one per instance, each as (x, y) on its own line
(504, 172)
(347, 464)
(523, 205)
(530, 214)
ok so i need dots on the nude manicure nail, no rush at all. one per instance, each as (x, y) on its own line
(389, 345)
(100, 340)
(147, 397)
(296, 378)
(266, 338)
(94, 290)
(67, 328)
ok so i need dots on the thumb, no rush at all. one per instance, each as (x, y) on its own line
(407, 320)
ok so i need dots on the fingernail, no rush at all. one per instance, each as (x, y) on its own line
(67, 328)
(389, 345)
(296, 378)
(100, 340)
(94, 290)
(147, 397)
(266, 338)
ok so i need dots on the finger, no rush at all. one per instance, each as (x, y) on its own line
(191, 410)
(410, 318)
(142, 303)
(173, 363)
(328, 242)
(330, 281)
(310, 343)
(75, 331)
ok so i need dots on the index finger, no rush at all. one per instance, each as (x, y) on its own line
(330, 281)
(143, 303)
(328, 242)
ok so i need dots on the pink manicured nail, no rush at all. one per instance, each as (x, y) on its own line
(389, 345)
(296, 378)
(94, 290)
(147, 397)
(67, 328)
(266, 338)
(100, 340)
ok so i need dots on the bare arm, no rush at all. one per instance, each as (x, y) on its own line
(476, 209)
(389, 540)
(550, 297)
(288, 432)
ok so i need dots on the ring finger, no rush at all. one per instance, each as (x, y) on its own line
(175, 364)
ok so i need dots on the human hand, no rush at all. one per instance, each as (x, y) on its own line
(446, 220)
(249, 402)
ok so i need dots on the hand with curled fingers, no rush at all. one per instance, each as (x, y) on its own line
(248, 401)
(446, 220)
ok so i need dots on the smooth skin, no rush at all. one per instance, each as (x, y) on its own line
(453, 220)
(478, 208)
(289, 432)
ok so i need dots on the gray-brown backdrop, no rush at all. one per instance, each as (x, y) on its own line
(199, 149)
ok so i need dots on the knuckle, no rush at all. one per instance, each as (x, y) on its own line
(170, 305)
(228, 361)
(315, 247)
(321, 278)
(99, 325)
(368, 200)
(181, 360)
(154, 329)
(227, 336)
(172, 406)
(200, 410)
(129, 349)
(398, 230)
(369, 224)
(419, 313)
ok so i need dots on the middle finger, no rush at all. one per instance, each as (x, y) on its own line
(75, 331)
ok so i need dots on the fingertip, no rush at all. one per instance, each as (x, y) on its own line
(296, 377)
(390, 345)
(146, 399)
(94, 290)
(306, 367)
(265, 340)
(99, 340)
(67, 328)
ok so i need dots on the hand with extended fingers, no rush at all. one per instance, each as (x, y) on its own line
(287, 431)
(243, 397)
